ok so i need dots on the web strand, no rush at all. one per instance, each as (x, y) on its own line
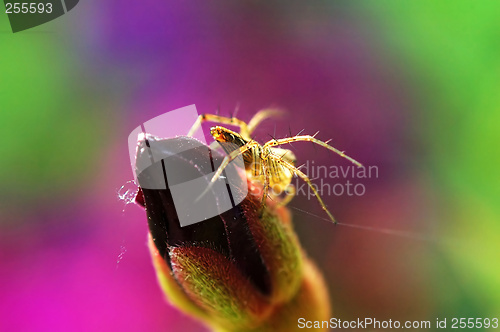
(410, 235)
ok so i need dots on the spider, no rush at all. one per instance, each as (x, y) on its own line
(266, 164)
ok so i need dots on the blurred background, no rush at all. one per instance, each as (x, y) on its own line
(411, 88)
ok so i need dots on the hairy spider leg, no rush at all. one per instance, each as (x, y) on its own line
(218, 119)
(266, 185)
(260, 116)
(304, 177)
(227, 159)
(245, 129)
(309, 138)
(290, 188)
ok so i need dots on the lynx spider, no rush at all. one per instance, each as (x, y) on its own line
(267, 164)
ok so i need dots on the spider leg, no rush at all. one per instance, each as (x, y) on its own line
(219, 119)
(260, 116)
(265, 187)
(309, 138)
(306, 179)
(225, 162)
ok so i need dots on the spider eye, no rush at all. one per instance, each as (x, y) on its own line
(217, 133)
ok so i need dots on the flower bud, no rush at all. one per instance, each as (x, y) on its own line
(241, 270)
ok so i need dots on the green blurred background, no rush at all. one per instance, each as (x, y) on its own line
(411, 87)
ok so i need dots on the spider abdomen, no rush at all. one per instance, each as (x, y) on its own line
(260, 163)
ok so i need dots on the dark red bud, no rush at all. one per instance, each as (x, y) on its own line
(228, 233)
